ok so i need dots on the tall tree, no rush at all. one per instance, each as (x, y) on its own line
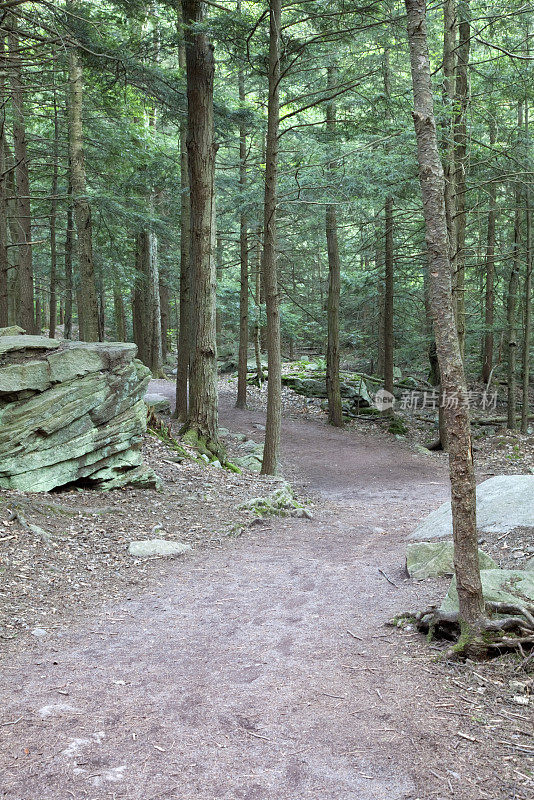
(23, 227)
(527, 336)
(185, 322)
(241, 401)
(4, 205)
(489, 309)
(88, 301)
(53, 211)
(273, 426)
(389, 339)
(463, 497)
(460, 165)
(201, 149)
(333, 386)
(511, 300)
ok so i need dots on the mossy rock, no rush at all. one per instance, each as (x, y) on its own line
(436, 559)
(281, 502)
(512, 586)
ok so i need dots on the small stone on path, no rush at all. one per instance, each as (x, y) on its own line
(157, 547)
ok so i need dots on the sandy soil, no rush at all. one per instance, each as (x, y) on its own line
(262, 669)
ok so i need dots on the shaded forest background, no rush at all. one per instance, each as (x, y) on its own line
(92, 180)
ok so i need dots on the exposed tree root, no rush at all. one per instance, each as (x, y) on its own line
(19, 517)
(507, 627)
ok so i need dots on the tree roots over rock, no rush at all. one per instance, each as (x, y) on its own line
(507, 627)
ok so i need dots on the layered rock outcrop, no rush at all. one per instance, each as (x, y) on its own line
(70, 411)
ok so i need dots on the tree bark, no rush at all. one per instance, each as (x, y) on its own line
(119, 314)
(88, 305)
(463, 497)
(26, 311)
(165, 312)
(257, 303)
(450, 21)
(4, 205)
(69, 242)
(271, 448)
(389, 342)
(333, 385)
(53, 214)
(201, 149)
(241, 401)
(511, 303)
(460, 165)
(184, 331)
(527, 335)
(487, 365)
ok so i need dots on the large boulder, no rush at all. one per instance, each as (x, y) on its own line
(353, 390)
(158, 402)
(71, 411)
(436, 559)
(499, 586)
(503, 503)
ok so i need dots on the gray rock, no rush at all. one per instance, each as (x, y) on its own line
(9, 344)
(12, 330)
(503, 503)
(250, 462)
(499, 586)
(158, 402)
(39, 632)
(157, 547)
(70, 411)
(250, 446)
(281, 501)
(33, 375)
(435, 559)
(529, 566)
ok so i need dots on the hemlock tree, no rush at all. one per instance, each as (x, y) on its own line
(201, 149)
(335, 410)
(463, 497)
(273, 426)
(87, 295)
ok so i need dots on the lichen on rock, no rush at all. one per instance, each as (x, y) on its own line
(280, 502)
(71, 411)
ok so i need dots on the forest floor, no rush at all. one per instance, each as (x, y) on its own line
(260, 666)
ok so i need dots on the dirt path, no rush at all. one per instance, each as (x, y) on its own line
(236, 678)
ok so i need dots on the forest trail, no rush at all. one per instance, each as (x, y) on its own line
(236, 677)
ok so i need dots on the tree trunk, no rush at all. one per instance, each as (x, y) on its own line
(241, 401)
(389, 343)
(4, 206)
(333, 387)
(463, 497)
(460, 165)
(184, 331)
(449, 67)
(26, 312)
(201, 149)
(528, 294)
(119, 314)
(38, 310)
(511, 303)
(271, 447)
(257, 303)
(88, 305)
(165, 313)
(53, 214)
(487, 364)
(69, 242)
